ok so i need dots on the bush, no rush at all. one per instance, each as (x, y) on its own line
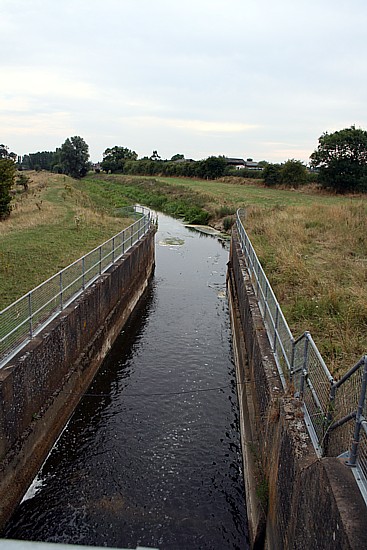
(7, 175)
(272, 174)
(227, 223)
(225, 211)
(293, 173)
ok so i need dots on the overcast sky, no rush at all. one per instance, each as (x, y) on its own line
(244, 78)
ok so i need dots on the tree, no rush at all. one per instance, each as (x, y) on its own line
(341, 158)
(7, 174)
(42, 160)
(212, 167)
(272, 174)
(178, 157)
(114, 158)
(23, 180)
(4, 153)
(155, 156)
(74, 157)
(293, 173)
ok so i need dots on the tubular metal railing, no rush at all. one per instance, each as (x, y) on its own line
(25, 318)
(335, 410)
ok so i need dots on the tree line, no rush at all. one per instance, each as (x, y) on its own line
(339, 163)
(72, 159)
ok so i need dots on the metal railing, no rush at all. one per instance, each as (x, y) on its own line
(335, 410)
(25, 318)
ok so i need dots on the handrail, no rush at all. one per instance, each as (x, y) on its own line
(330, 406)
(29, 314)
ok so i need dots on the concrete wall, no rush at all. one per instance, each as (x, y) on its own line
(294, 499)
(41, 386)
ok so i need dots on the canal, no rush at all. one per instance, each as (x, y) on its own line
(151, 456)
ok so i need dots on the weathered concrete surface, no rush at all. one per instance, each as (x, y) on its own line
(294, 500)
(41, 386)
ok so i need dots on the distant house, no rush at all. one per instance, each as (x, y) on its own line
(178, 161)
(252, 165)
(240, 164)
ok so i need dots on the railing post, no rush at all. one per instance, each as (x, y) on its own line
(61, 292)
(304, 367)
(123, 241)
(275, 329)
(100, 260)
(83, 272)
(258, 280)
(359, 419)
(265, 302)
(329, 418)
(113, 250)
(293, 354)
(30, 314)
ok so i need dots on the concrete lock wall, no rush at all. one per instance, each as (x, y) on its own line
(41, 386)
(294, 499)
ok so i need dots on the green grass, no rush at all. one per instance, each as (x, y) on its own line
(313, 245)
(38, 241)
(175, 200)
(250, 192)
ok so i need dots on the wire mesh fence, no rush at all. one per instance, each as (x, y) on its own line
(335, 410)
(22, 320)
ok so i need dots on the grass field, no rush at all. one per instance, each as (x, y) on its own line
(52, 225)
(312, 245)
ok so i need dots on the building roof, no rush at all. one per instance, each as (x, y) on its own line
(235, 161)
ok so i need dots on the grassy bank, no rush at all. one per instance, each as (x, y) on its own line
(176, 200)
(313, 245)
(53, 224)
(316, 260)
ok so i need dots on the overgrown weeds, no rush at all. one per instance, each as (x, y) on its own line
(175, 200)
(316, 261)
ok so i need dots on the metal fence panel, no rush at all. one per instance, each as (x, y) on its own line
(330, 407)
(21, 320)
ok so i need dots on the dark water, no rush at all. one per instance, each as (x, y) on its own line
(151, 456)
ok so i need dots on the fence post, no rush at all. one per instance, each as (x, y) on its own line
(61, 293)
(329, 418)
(100, 260)
(293, 355)
(258, 280)
(83, 272)
(275, 329)
(304, 366)
(30, 314)
(265, 302)
(359, 418)
(113, 250)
